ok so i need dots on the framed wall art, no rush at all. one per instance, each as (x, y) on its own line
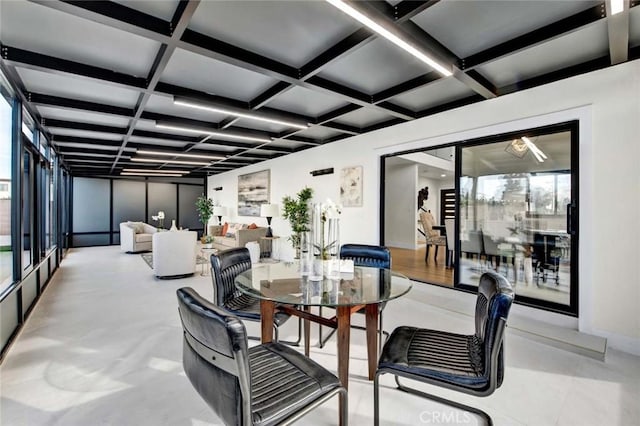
(253, 191)
(351, 186)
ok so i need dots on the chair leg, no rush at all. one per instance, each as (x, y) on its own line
(286, 342)
(376, 400)
(438, 399)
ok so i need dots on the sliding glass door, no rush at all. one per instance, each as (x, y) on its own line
(505, 203)
(516, 205)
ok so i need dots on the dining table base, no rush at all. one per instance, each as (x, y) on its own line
(341, 322)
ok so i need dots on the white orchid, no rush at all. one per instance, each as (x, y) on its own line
(160, 215)
(330, 210)
(155, 218)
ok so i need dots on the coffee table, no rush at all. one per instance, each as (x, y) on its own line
(204, 258)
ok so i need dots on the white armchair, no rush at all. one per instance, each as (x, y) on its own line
(136, 236)
(174, 254)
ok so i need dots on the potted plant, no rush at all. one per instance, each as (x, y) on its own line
(204, 205)
(296, 210)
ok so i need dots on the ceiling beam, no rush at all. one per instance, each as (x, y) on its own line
(534, 38)
(618, 32)
(179, 23)
(571, 71)
(116, 16)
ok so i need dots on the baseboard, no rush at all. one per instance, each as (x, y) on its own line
(622, 343)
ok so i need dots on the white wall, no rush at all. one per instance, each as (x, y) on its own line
(401, 188)
(607, 103)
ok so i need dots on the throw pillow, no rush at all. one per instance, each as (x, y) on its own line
(233, 229)
(225, 227)
(253, 226)
(138, 227)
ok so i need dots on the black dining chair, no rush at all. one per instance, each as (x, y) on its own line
(268, 384)
(473, 364)
(226, 265)
(364, 255)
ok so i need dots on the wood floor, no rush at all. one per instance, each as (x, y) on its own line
(411, 263)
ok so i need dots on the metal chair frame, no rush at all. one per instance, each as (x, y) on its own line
(492, 362)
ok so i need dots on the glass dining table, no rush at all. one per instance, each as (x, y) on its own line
(281, 287)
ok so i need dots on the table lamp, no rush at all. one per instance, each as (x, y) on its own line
(219, 211)
(269, 211)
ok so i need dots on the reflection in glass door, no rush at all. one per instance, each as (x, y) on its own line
(515, 210)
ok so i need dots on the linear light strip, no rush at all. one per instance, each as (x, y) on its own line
(153, 174)
(212, 133)
(154, 171)
(191, 104)
(174, 154)
(156, 160)
(540, 156)
(371, 24)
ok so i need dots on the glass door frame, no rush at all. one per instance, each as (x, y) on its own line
(572, 221)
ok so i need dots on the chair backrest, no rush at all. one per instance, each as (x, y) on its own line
(449, 225)
(495, 296)
(366, 255)
(427, 221)
(215, 357)
(489, 245)
(225, 267)
(474, 244)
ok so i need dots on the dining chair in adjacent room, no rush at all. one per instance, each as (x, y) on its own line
(449, 225)
(226, 265)
(369, 256)
(432, 236)
(472, 364)
(268, 384)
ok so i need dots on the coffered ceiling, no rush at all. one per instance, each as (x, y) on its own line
(101, 75)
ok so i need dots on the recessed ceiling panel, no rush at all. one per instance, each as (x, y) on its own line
(572, 49)
(79, 116)
(468, 27)
(634, 27)
(437, 93)
(306, 102)
(77, 88)
(363, 117)
(374, 67)
(60, 132)
(165, 105)
(292, 32)
(207, 75)
(284, 143)
(163, 9)
(318, 133)
(41, 29)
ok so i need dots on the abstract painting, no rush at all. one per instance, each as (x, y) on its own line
(253, 191)
(351, 186)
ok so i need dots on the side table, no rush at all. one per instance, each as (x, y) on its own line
(270, 255)
(204, 259)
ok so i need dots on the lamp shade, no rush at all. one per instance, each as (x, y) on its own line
(269, 210)
(219, 211)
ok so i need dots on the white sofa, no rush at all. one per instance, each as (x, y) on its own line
(136, 236)
(240, 239)
(174, 253)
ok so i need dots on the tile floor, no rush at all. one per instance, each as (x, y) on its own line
(103, 347)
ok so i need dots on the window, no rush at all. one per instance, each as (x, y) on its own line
(6, 246)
